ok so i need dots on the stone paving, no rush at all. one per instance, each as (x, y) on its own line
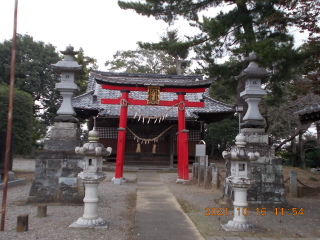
(255, 238)
(158, 213)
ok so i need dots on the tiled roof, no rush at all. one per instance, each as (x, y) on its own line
(91, 100)
(134, 79)
(309, 114)
(311, 109)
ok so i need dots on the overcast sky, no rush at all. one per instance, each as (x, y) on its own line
(100, 27)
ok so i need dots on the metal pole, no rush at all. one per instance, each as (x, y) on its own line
(9, 123)
(239, 122)
(199, 171)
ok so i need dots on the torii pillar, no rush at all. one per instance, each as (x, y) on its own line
(182, 143)
(118, 179)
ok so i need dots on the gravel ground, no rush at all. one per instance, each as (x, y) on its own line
(195, 200)
(116, 206)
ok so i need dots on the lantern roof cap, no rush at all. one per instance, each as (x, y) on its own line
(253, 70)
(69, 51)
(68, 64)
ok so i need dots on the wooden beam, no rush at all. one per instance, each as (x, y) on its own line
(144, 102)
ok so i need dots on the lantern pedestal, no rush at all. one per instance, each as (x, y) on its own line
(90, 217)
(240, 187)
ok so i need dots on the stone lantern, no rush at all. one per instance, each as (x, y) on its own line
(239, 182)
(266, 170)
(68, 68)
(91, 176)
(253, 92)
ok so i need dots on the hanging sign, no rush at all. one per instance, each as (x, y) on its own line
(153, 95)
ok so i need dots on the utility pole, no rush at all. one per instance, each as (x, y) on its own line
(9, 123)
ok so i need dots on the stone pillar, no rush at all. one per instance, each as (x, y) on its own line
(195, 173)
(215, 176)
(57, 165)
(207, 176)
(293, 184)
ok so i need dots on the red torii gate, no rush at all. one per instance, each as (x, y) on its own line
(181, 90)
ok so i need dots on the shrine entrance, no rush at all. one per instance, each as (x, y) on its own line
(154, 91)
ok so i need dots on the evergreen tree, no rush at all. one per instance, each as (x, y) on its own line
(221, 133)
(251, 25)
(88, 64)
(171, 44)
(142, 61)
(33, 73)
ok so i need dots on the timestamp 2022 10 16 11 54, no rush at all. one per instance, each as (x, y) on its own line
(259, 211)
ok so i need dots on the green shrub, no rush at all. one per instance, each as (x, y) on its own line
(22, 118)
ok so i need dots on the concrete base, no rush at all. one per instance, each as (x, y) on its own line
(89, 223)
(118, 181)
(232, 226)
(179, 181)
(14, 182)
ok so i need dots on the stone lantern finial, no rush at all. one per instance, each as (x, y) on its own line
(93, 135)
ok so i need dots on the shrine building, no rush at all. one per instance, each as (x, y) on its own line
(152, 104)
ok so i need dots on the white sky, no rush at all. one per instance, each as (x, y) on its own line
(100, 27)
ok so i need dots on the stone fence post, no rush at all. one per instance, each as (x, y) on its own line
(207, 176)
(293, 186)
(215, 176)
(195, 171)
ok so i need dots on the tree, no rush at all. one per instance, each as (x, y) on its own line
(283, 125)
(251, 25)
(33, 73)
(171, 44)
(88, 64)
(307, 144)
(22, 118)
(142, 61)
(221, 133)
